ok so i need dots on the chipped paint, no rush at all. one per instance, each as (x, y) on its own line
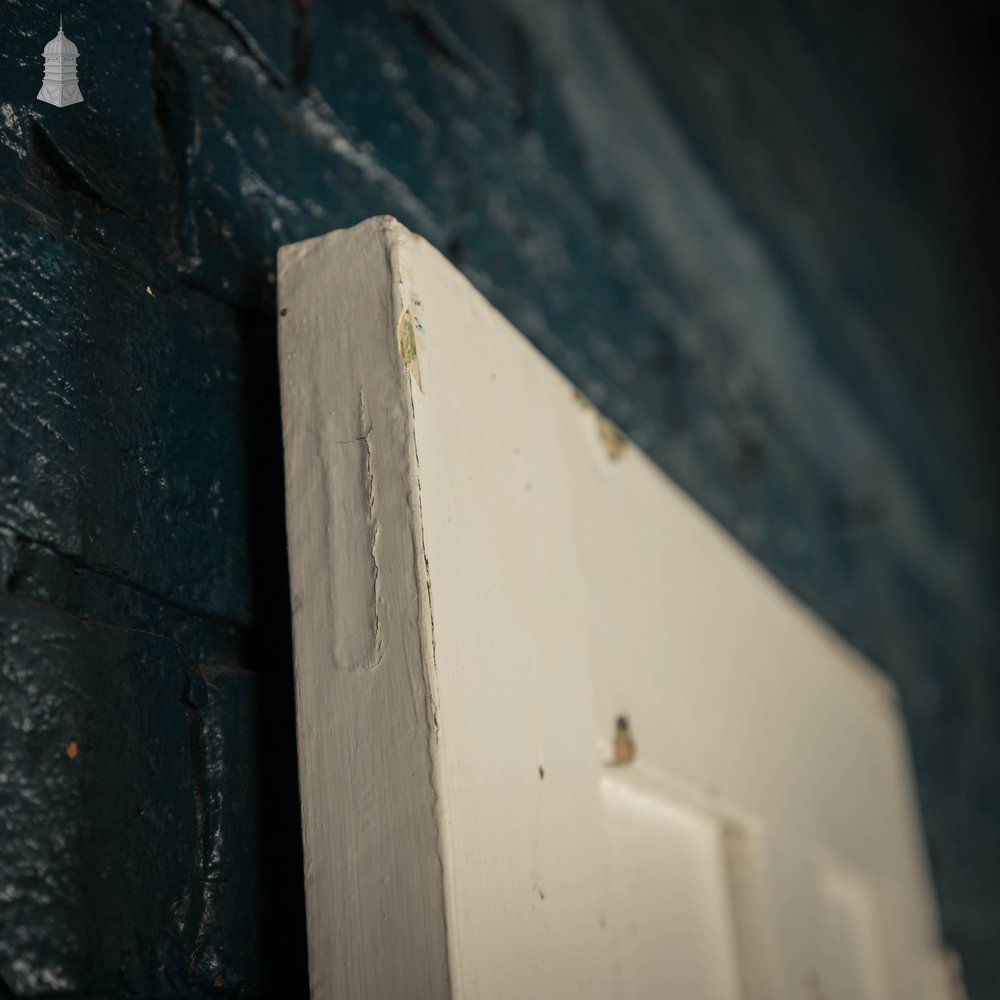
(612, 436)
(623, 746)
(407, 335)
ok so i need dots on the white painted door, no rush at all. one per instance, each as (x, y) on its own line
(560, 737)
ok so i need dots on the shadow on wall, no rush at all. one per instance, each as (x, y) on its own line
(267, 647)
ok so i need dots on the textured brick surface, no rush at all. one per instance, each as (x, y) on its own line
(718, 219)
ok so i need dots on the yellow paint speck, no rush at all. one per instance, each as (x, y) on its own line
(72, 750)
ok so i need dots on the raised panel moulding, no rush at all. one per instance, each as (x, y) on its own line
(547, 708)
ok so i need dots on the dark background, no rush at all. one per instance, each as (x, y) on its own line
(758, 233)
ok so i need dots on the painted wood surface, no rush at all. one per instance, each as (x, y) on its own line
(559, 735)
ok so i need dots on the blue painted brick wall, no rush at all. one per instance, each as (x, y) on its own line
(730, 223)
